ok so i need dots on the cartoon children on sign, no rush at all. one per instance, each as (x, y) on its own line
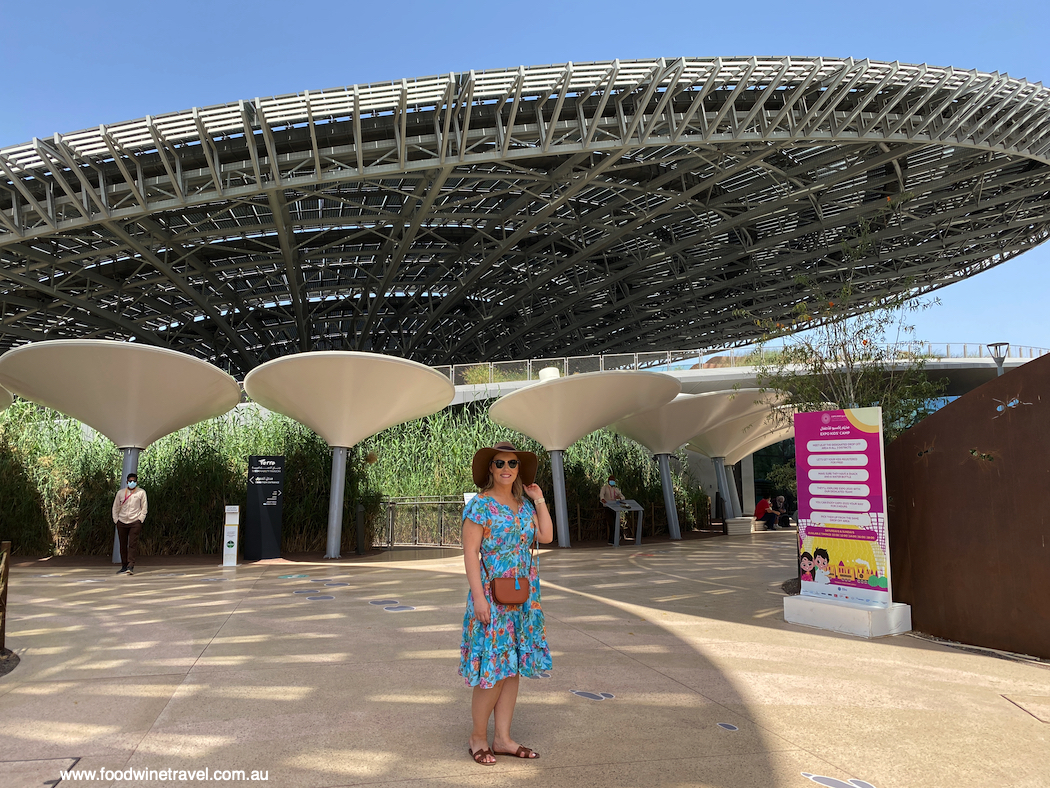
(805, 562)
(822, 560)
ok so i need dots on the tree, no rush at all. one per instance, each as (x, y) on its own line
(844, 349)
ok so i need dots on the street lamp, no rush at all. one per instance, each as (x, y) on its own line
(999, 351)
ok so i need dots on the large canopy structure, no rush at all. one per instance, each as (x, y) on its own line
(344, 397)
(556, 210)
(557, 412)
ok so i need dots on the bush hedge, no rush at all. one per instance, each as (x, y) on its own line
(58, 478)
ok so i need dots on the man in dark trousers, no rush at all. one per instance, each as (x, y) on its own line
(129, 511)
(765, 512)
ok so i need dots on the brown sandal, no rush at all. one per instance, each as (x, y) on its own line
(522, 752)
(477, 756)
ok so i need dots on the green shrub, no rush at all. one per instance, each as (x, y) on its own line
(58, 478)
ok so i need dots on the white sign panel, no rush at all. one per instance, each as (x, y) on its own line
(230, 531)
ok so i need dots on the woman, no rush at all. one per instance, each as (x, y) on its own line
(502, 642)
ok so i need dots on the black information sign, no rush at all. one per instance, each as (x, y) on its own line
(262, 522)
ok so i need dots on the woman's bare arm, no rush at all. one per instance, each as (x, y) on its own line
(544, 525)
(472, 536)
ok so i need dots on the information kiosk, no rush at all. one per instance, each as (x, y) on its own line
(621, 507)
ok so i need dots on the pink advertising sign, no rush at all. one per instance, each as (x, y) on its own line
(842, 541)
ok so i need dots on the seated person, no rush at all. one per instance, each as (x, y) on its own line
(609, 493)
(784, 521)
(767, 514)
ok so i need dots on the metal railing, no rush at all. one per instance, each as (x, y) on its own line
(509, 371)
(429, 521)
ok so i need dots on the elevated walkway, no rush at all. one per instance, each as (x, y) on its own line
(966, 366)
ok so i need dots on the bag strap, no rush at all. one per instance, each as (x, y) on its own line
(532, 552)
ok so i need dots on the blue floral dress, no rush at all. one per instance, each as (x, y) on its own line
(514, 643)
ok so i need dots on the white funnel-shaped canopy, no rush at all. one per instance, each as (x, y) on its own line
(133, 394)
(665, 429)
(742, 436)
(6, 398)
(346, 396)
(559, 412)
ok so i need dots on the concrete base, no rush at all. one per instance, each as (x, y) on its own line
(852, 619)
(735, 526)
(759, 527)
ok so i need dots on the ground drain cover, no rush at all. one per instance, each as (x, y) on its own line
(290, 577)
(593, 695)
(832, 782)
(398, 608)
(727, 727)
(305, 591)
(320, 598)
(337, 584)
(383, 602)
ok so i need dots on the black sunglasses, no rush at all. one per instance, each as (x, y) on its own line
(510, 463)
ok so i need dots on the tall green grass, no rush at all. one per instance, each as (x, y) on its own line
(58, 478)
(432, 456)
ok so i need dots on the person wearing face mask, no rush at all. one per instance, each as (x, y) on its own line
(129, 512)
(609, 493)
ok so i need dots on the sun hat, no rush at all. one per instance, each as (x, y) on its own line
(483, 458)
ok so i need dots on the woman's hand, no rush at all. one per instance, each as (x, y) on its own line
(534, 491)
(482, 611)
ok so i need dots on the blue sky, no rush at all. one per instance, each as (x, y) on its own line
(70, 66)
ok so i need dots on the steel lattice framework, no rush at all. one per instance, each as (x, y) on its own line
(559, 210)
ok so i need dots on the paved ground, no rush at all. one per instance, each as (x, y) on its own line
(188, 666)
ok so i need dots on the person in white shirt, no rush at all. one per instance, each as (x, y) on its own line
(610, 492)
(129, 512)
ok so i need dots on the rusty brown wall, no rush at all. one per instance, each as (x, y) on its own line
(969, 515)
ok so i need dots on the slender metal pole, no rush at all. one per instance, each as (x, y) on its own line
(335, 502)
(734, 495)
(129, 464)
(723, 486)
(561, 507)
(669, 503)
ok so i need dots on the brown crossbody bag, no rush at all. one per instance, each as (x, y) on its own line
(512, 590)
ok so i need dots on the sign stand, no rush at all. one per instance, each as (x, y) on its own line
(620, 507)
(230, 535)
(262, 522)
(843, 542)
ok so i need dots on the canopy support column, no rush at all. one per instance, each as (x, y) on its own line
(335, 502)
(129, 464)
(561, 507)
(669, 502)
(733, 494)
(723, 486)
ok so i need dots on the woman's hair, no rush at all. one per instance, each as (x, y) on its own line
(517, 489)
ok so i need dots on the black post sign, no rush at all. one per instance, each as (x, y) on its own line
(262, 522)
